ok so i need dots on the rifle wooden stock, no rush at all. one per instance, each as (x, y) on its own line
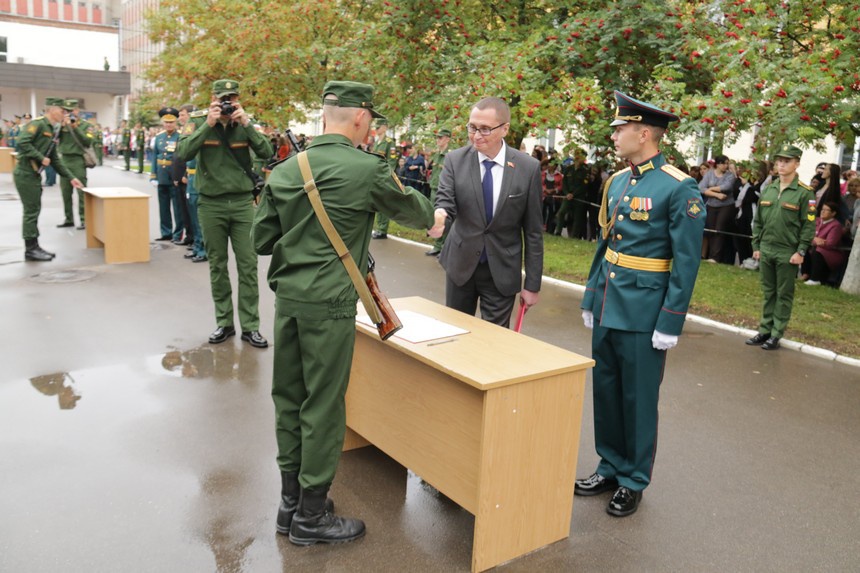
(390, 322)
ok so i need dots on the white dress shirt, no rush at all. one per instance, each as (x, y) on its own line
(498, 172)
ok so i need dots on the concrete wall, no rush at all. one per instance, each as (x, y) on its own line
(46, 45)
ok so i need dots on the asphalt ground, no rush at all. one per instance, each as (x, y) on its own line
(127, 442)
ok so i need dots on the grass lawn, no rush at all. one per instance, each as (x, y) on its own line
(822, 316)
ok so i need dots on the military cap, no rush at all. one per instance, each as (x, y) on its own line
(51, 102)
(70, 104)
(168, 113)
(443, 133)
(789, 151)
(28, 115)
(225, 87)
(629, 109)
(351, 94)
(381, 122)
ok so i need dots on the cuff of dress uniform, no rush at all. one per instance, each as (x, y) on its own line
(670, 322)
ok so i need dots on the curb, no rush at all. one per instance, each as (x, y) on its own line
(746, 332)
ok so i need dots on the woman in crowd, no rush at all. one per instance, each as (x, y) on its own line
(717, 187)
(854, 190)
(416, 168)
(825, 254)
(551, 179)
(829, 193)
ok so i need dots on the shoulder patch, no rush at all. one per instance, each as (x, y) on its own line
(31, 128)
(674, 172)
(189, 128)
(694, 207)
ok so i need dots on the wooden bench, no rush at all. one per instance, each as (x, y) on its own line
(118, 221)
(491, 419)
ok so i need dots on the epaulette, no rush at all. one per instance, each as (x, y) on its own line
(674, 172)
(160, 132)
(199, 113)
(804, 185)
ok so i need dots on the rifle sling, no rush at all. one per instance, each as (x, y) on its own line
(336, 242)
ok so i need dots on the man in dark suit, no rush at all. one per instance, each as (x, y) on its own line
(492, 194)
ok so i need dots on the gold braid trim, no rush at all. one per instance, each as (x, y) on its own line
(602, 220)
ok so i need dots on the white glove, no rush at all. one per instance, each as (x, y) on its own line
(588, 319)
(154, 182)
(662, 341)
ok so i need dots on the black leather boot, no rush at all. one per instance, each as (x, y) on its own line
(49, 253)
(290, 491)
(313, 523)
(32, 252)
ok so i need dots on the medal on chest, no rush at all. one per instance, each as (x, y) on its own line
(639, 208)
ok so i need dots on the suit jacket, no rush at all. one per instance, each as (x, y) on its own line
(515, 233)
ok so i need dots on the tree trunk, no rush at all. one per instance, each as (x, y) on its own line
(851, 280)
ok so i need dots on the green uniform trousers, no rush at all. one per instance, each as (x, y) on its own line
(777, 286)
(29, 186)
(140, 160)
(223, 220)
(100, 152)
(564, 218)
(311, 374)
(381, 223)
(627, 375)
(126, 153)
(78, 168)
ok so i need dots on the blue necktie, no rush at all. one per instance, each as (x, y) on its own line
(487, 186)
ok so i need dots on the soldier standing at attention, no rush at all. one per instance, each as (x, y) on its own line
(98, 143)
(437, 161)
(316, 301)
(125, 143)
(75, 136)
(161, 176)
(14, 132)
(385, 147)
(221, 138)
(37, 147)
(784, 228)
(574, 209)
(636, 299)
(140, 144)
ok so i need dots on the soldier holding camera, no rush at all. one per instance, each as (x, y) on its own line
(222, 138)
(76, 135)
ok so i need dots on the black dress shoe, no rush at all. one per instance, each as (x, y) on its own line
(594, 484)
(188, 242)
(199, 259)
(81, 227)
(168, 238)
(65, 224)
(433, 253)
(221, 334)
(758, 339)
(378, 235)
(255, 339)
(624, 502)
(771, 343)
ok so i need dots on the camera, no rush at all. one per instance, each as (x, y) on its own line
(227, 107)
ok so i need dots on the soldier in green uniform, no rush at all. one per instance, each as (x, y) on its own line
(437, 161)
(573, 210)
(636, 299)
(783, 230)
(221, 138)
(37, 148)
(76, 135)
(316, 301)
(14, 132)
(99, 143)
(125, 143)
(385, 147)
(161, 176)
(140, 144)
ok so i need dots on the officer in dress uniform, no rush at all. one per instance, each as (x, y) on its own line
(437, 161)
(636, 299)
(385, 147)
(76, 135)
(316, 301)
(783, 230)
(37, 148)
(161, 176)
(221, 138)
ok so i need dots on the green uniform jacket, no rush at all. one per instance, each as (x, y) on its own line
(85, 132)
(33, 144)
(163, 148)
(437, 161)
(644, 301)
(386, 148)
(784, 221)
(305, 271)
(140, 139)
(575, 181)
(125, 141)
(218, 174)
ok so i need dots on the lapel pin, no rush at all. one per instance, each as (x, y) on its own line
(510, 164)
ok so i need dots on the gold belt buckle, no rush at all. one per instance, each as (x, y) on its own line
(612, 257)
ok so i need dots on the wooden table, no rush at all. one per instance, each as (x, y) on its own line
(118, 221)
(491, 419)
(7, 159)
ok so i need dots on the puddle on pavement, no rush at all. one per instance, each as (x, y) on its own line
(64, 276)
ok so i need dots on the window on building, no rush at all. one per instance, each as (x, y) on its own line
(3, 42)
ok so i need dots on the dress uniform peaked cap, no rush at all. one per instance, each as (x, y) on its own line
(629, 109)
(351, 94)
(222, 88)
(789, 151)
(52, 102)
(70, 104)
(168, 113)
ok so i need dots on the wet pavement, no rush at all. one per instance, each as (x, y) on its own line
(127, 442)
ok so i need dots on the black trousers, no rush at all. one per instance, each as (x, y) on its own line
(495, 307)
(719, 219)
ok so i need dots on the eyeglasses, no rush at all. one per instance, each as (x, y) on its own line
(483, 130)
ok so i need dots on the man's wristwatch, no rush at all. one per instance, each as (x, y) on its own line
(802, 253)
